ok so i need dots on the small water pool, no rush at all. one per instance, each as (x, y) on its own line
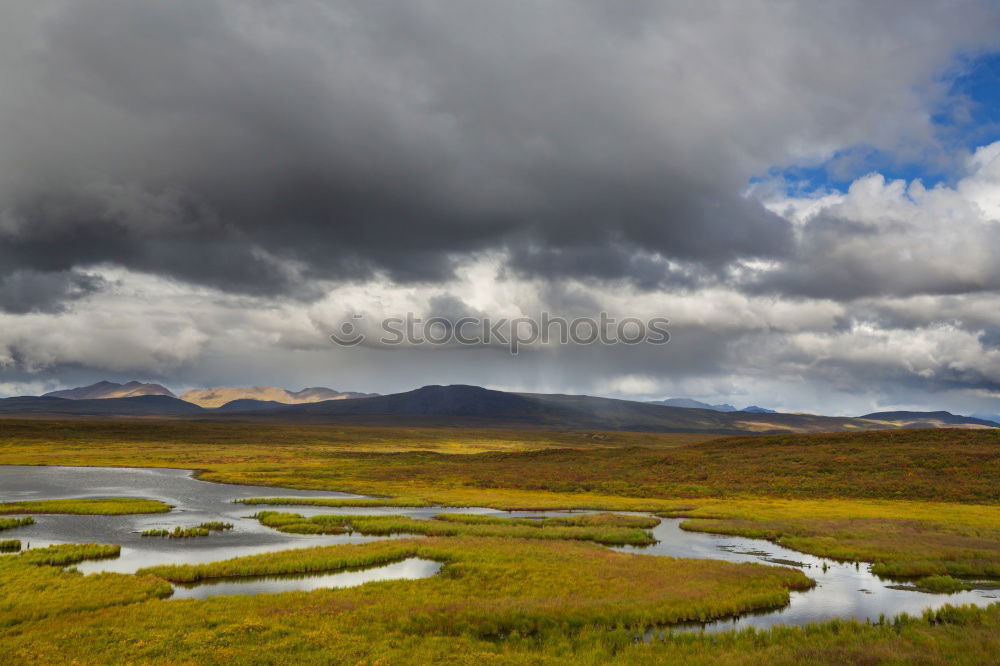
(413, 568)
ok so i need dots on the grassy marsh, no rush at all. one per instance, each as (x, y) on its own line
(32, 586)
(95, 507)
(902, 539)
(492, 586)
(606, 529)
(496, 600)
(916, 503)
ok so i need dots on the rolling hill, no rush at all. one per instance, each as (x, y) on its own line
(107, 390)
(462, 405)
(475, 406)
(144, 405)
(929, 419)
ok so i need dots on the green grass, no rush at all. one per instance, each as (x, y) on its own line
(96, 507)
(215, 526)
(950, 635)
(64, 555)
(528, 581)
(11, 523)
(186, 532)
(30, 590)
(10, 546)
(941, 584)
(617, 530)
(303, 561)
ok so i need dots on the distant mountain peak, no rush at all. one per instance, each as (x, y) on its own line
(688, 403)
(754, 409)
(219, 396)
(104, 390)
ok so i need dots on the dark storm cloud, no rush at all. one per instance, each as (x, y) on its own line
(315, 159)
(23, 291)
(255, 147)
(990, 338)
(844, 259)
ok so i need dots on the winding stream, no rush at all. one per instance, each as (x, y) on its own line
(843, 590)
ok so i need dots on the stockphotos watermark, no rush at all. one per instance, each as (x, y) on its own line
(513, 334)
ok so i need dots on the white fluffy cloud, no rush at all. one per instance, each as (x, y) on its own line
(891, 237)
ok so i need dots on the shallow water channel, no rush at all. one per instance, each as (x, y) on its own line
(843, 590)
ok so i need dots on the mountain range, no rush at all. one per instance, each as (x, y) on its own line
(693, 404)
(474, 406)
(208, 397)
(217, 397)
(697, 404)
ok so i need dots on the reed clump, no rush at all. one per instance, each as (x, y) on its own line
(180, 532)
(10, 546)
(11, 523)
(941, 584)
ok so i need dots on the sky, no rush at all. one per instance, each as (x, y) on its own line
(200, 192)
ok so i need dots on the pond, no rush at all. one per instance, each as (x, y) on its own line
(413, 568)
(843, 590)
(194, 501)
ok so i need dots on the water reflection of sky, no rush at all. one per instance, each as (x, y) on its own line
(413, 568)
(843, 590)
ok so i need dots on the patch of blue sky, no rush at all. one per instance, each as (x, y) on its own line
(967, 117)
